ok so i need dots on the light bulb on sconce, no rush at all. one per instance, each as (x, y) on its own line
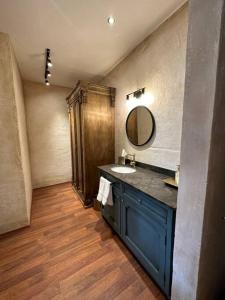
(140, 97)
(148, 98)
(136, 94)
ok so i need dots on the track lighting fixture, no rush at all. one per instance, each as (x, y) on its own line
(137, 94)
(48, 64)
(48, 73)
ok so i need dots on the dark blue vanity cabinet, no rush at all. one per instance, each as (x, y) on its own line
(146, 226)
(113, 213)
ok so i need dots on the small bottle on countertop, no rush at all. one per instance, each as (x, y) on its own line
(177, 175)
(122, 158)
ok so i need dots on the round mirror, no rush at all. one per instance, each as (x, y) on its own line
(140, 126)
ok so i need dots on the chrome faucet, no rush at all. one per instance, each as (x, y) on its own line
(131, 157)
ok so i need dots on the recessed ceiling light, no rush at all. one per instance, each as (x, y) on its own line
(111, 20)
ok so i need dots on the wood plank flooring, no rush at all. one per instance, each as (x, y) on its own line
(69, 252)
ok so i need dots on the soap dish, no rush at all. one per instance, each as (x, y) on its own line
(171, 182)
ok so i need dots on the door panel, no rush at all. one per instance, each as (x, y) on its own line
(98, 137)
(113, 213)
(74, 146)
(79, 148)
(146, 237)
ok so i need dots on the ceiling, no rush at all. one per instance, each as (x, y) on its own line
(82, 43)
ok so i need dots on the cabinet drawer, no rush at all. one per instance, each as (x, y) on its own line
(147, 202)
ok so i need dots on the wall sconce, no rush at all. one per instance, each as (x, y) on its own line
(48, 64)
(137, 94)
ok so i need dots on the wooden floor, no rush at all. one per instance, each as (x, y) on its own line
(69, 252)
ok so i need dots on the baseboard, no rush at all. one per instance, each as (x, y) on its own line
(6, 228)
(51, 184)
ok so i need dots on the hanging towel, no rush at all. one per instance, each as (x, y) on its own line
(105, 192)
(107, 195)
(101, 189)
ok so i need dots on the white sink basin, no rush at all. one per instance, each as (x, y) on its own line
(123, 170)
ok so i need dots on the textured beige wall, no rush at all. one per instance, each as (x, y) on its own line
(15, 185)
(158, 64)
(199, 249)
(49, 134)
(22, 126)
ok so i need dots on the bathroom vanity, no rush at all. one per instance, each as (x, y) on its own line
(143, 215)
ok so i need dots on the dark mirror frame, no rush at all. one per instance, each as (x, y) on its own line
(153, 126)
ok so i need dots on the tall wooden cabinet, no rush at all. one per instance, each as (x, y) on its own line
(91, 112)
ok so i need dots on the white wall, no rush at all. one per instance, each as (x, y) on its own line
(158, 64)
(49, 134)
(15, 183)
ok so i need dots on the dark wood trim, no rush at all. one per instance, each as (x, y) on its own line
(80, 196)
(82, 88)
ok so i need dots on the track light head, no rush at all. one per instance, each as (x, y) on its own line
(47, 82)
(49, 63)
(48, 73)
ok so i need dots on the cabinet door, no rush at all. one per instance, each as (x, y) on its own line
(74, 146)
(145, 236)
(113, 213)
(79, 147)
(98, 138)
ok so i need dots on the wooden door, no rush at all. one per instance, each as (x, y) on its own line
(98, 136)
(79, 147)
(73, 146)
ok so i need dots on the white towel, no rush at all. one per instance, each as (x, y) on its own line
(101, 189)
(105, 192)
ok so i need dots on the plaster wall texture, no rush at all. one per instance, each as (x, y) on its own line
(15, 185)
(199, 264)
(158, 64)
(22, 127)
(48, 133)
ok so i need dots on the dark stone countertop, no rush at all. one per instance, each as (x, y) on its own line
(149, 182)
